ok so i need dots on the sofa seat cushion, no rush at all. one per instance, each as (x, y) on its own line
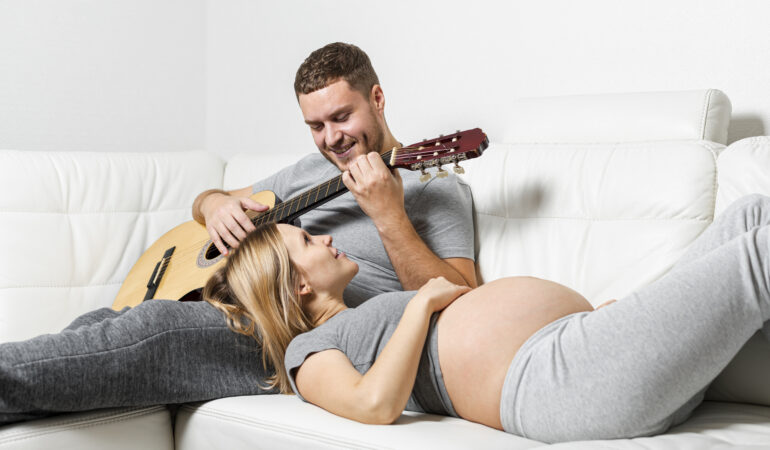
(713, 425)
(281, 421)
(113, 429)
(284, 421)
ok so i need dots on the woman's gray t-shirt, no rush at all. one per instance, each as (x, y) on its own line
(361, 333)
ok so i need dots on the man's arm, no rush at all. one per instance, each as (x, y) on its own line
(222, 212)
(380, 193)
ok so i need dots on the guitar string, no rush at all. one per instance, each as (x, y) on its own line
(279, 209)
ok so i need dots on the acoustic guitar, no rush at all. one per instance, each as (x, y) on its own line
(178, 264)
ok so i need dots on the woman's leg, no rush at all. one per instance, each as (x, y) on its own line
(745, 214)
(156, 353)
(639, 365)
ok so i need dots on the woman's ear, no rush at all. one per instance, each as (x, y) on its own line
(304, 287)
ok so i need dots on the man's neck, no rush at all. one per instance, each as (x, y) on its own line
(390, 143)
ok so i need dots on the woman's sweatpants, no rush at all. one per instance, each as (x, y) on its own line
(159, 352)
(642, 364)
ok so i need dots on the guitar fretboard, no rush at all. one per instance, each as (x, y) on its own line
(290, 209)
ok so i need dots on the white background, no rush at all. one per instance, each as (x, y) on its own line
(170, 75)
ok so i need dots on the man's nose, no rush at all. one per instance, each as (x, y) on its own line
(333, 136)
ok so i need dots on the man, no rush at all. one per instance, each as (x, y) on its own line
(174, 352)
(343, 104)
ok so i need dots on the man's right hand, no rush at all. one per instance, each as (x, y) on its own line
(224, 217)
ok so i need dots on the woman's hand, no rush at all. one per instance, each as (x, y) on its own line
(439, 292)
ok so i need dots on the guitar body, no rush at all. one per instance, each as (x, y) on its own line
(186, 269)
(183, 259)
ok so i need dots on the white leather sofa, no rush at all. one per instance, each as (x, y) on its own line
(601, 193)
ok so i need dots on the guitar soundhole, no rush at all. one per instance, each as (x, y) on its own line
(208, 255)
(212, 252)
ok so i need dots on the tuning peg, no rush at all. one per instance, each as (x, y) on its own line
(441, 173)
(425, 175)
(458, 169)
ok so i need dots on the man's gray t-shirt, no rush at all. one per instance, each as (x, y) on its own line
(361, 333)
(440, 211)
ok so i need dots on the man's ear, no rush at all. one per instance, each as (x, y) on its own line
(377, 98)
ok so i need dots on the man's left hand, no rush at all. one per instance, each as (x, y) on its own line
(378, 190)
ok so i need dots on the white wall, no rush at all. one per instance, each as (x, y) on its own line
(456, 64)
(111, 75)
(217, 74)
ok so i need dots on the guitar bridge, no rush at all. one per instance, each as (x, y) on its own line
(157, 274)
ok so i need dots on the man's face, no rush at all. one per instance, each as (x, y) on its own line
(344, 123)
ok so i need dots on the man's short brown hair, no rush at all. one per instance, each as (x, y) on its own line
(334, 62)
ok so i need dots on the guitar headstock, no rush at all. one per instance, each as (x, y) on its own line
(450, 149)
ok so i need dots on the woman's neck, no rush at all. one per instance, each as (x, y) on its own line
(322, 309)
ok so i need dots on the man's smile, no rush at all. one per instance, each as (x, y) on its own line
(343, 151)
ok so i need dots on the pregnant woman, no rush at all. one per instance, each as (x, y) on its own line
(520, 354)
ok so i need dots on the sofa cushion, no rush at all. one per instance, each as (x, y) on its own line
(116, 429)
(602, 219)
(744, 168)
(641, 116)
(78, 221)
(284, 421)
(713, 425)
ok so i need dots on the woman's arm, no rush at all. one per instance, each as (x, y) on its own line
(329, 380)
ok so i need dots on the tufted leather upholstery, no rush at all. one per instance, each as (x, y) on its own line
(601, 193)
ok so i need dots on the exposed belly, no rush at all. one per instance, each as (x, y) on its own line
(480, 333)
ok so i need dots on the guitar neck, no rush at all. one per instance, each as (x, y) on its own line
(298, 205)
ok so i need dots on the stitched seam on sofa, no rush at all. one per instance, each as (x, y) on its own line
(79, 213)
(134, 344)
(608, 142)
(704, 114)
(588, 219)
(58, 286)
(275, 427)
(714, 184)
(73, 424)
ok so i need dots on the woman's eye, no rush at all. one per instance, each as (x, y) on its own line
(307, 239)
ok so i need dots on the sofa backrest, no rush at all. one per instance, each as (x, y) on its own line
(590, 202)
(75, 223)
(600, 193)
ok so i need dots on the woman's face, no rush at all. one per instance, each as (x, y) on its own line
(323, 267)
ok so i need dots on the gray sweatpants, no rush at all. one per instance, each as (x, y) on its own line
(641, 365)
(159, 352)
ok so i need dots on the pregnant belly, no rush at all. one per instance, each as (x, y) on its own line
(480, 333)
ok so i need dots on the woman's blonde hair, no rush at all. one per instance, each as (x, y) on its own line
(258, 290)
